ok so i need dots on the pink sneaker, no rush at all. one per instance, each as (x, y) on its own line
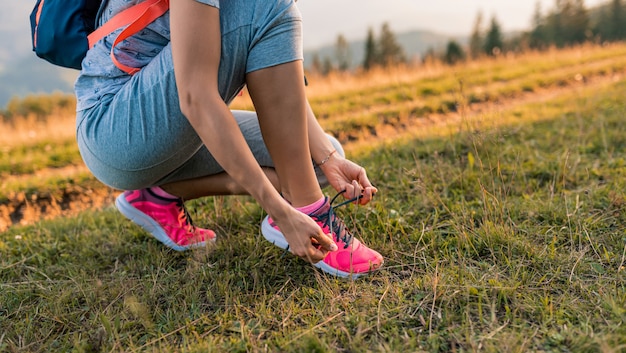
(165, 218)
(353, 258)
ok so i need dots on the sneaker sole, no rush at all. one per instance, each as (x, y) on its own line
(275, 237)
(150, 225)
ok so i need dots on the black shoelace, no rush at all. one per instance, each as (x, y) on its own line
(335, 224)
(180, 203)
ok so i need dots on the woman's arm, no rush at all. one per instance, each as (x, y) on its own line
(196, 45)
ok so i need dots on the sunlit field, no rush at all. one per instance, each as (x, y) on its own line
(501, 216)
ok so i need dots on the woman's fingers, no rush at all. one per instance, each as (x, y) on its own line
(368, 189)
(356, 189)
(315, 255)
(324, 241)
(306, 239)
(352, 190)
(318, 247)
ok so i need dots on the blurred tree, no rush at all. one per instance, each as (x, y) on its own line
(577, 23)
(371, 51)
(454, 53)
(430, 57)
(316, 64)
(476, 38)
(493, 40)
(343, 54)
(554, 25)
(391, 52)
(327, 66)
(602, 28)
(538, 38)
(39, 105)
(617, 26)
(569, 23)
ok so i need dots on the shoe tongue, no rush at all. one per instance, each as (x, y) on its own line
(322, 209)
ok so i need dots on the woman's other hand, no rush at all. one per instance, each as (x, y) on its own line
(343, 174)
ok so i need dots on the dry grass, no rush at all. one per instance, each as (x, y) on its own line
(29, 130)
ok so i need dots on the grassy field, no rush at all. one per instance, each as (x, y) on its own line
(501, 216)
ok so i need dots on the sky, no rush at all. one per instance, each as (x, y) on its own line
(324, 20)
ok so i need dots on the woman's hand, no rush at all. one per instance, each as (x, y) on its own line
(305, 237)
(343, 174)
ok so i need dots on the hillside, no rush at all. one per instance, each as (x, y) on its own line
(31, 75)
(21, 75)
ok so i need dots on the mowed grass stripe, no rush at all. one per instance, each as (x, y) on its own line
(528, 71)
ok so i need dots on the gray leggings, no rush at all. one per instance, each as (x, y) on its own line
(188, 161)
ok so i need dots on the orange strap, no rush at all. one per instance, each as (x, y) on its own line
(37, 17)
(135, 19)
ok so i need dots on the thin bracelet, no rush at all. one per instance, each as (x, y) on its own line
(327, 158)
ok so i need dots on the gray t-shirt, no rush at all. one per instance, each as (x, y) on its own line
(99, 76)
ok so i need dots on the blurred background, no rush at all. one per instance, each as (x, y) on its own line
(357, 34)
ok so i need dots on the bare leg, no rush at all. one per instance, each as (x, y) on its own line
(280, 102)
(218, 184)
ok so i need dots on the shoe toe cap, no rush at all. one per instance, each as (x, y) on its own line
(357, 258)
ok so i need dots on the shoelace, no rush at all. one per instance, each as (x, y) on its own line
(184, 217)
(337, 228)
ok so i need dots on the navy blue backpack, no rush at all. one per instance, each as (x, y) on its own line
(63, 30)
(59, 30)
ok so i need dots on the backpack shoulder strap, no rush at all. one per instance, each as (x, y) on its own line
(135, 18)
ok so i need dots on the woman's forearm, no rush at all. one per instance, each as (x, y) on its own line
(220, 133)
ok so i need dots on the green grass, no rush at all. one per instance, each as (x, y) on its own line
(28, 159)
(509, 238)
